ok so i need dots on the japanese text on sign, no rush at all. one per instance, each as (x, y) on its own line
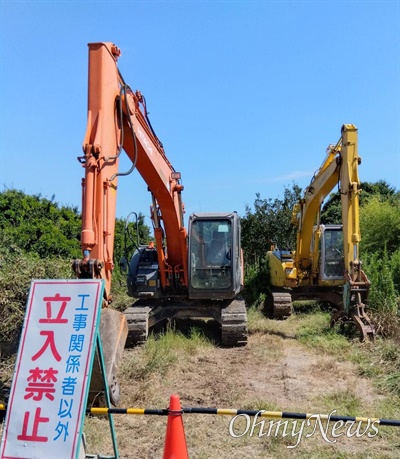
(52, 370)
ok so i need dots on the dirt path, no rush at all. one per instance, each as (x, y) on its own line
(273, 372)
(281, 372)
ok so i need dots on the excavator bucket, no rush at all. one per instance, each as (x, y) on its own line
(353, 307)
(113, 335)
(355, 296)
(363, 324)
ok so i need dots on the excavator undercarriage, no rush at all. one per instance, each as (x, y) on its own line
(279, 305)
(230, 314)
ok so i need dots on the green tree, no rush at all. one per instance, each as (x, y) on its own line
(38, 225)
(332, 209)
(380, 225)
(269, 224)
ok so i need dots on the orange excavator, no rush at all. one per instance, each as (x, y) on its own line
(194, 273)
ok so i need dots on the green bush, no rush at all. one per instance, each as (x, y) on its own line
(256, 281)
(382, 296)
(17, 269)
(39, 225)
(395, 270)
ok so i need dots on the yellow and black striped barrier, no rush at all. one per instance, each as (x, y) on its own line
(231, 412)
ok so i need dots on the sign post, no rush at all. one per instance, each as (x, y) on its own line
(49, 391)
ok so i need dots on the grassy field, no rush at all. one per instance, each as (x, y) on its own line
(297, 365)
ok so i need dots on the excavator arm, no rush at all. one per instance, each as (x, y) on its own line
(117, 120)
(350, 192)
(340, 167)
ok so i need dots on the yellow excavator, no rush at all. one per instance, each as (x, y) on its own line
(325, 265)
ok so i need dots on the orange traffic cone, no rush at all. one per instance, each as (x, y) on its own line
(175, 441)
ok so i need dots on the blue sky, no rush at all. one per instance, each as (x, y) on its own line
(244, 95)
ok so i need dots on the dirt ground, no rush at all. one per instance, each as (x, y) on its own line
(274, 372)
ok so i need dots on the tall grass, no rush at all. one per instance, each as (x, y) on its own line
(17, 269)
(379, 360)
(382, 271)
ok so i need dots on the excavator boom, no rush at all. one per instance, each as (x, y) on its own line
(339, 167)
(116, 122)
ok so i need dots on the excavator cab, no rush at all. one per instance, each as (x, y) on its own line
(214, 256)
(331, 252)
(215, 279)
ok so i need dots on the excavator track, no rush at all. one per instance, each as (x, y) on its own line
(138, 324)
(234, 324)
(281, 305)
(233, 320)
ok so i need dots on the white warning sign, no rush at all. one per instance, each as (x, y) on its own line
(52, 373)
